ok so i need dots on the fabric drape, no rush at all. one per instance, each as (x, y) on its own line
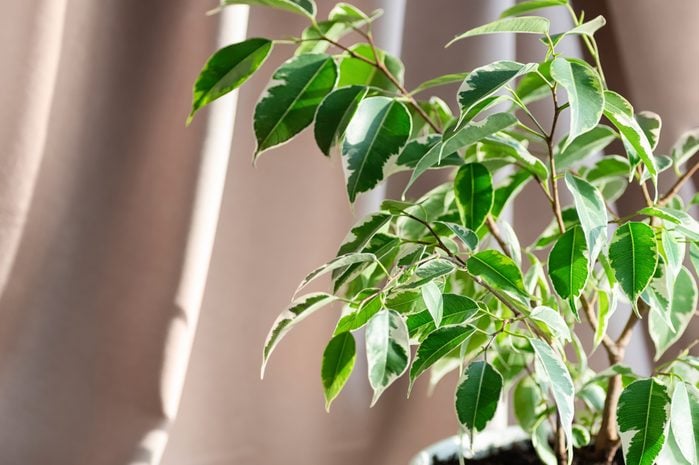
(107, 217)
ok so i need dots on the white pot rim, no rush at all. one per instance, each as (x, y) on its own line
(484, 443)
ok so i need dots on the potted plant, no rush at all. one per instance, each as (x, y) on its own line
(441, 283)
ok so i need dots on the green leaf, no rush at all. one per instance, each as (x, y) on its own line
(531, 5)
(334, 114)
(685, 147)
(469, 134)
(416, 149)
(342, 20)
(355, 71)
(684, 421)
(620, 113)
(468, 237)
(355, 320)
(552, 321)
(528, 403)
(376, 132)
(587, 29)
(439, 81)
(337, 366)
(437, 345)
(651, 124)
(522, 24)
(362, 232)
(228, 69)
(456, 309)
(301, 7)
(568, 265)
(586, 144)
(592, 213)
(680, 312)
(290, 102)
(297, 311)
(434, 269)
(633, 255)
(486, 80)
(387, 350)
(554, 372)
(683, 221)
(609, 167)
(339, 262)
(475, 131)
(585, 94)
(535, 85)
(473, 188)
(642, 416)
(498, 270)
(432, 296)
(502, 145)
(477, 396)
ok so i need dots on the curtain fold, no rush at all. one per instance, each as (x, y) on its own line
(109, 212)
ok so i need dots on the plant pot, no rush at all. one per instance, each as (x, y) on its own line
(485, 444)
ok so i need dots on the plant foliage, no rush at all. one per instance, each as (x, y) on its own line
(441, 283)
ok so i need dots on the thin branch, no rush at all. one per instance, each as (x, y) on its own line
(675, 189)
(495, 232)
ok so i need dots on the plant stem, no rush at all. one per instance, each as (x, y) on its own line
(675, 189)
(495, 232)
(552, 163)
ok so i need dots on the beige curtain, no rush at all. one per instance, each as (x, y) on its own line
(108, 209)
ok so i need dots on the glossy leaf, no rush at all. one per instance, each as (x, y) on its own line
(334, 114)
(685, 147)
(620, 113)
(228, 69)
(339, 262)
(473, 188)
(521, 24)
(642, 416)
(302, 7)
(552, 321)
(679, 312)
(498, 270)
(338, 362)
(552, 369)
(607, 303)
(465, 136)
(486, 80)
(585, 93)
(684, 421)
(432, 296)
(437, 345)
(568, 265)
(477, 396)
(584, 145)
(468, 237)
(375, 134)
(651, 124)
(298, 310)
(456, 309)
(387, 350)
(633, 256)
(592, 213)
(290, 102)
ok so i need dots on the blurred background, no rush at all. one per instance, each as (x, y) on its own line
(142, 262)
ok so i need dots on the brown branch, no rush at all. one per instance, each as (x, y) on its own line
(675, 189)
(495, 232)
(556, 204)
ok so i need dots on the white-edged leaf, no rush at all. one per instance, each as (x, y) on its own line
(498, 270)
(477, 396)
(290, 101)
(297, 311)
(484, 81)
(334, 114)
(301, 7)
(685, 147)
(585, 94)
(680, 311)
(437, 345)
(633, 256)
(338, 362)
(334, 264)
(684, 421)
(468, 237)
(584, 145)
(592, 213)
(642, 417)
(387, 350)
(607, 303)
(432, 296)
(552, 321)
(554, 372)
(520, 24)
(587, 28)
(375, 134)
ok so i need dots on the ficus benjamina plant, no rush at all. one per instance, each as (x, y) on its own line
(441, 283)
